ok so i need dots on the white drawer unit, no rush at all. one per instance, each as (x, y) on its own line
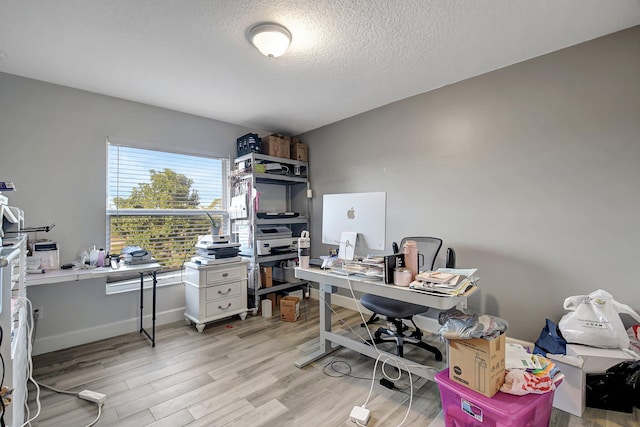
(213, 292)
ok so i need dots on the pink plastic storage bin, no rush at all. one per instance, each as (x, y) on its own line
(463, 407)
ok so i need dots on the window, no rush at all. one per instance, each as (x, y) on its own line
(159, 200)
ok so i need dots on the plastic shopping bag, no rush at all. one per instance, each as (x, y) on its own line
(617, 389)
(594, 321)
(550, 340)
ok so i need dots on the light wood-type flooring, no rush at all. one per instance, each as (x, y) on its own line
(242, 373)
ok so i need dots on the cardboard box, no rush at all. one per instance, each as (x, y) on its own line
(266, 277)
(286, 149)
(478, 364)
(290, 309)
(298, 151)
(274, 145)
(597, 360)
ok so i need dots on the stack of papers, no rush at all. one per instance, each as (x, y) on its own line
(445, 282)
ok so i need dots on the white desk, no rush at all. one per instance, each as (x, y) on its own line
(72, 275)
(329, 282)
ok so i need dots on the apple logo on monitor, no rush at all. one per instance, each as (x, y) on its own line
(363, 214)
(351, 213)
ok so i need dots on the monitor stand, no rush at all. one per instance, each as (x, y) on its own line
(347, 249)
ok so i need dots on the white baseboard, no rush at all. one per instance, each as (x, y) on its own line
(84, 336)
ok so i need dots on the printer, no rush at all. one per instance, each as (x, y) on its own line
(215, 249)
(276, 239)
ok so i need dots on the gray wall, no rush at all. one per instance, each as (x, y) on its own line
(53, 146)
(531, 172)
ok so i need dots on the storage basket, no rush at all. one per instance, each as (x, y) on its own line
(249, 143)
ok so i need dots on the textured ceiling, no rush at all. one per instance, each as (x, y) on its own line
(346, 57)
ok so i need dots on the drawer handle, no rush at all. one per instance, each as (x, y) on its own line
(225, 274)
(224, 308)
(225, 293)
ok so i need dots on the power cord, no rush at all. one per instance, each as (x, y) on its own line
(340, 319)
(333, 366)
(97, 398)
(88, 395)
(26, 303)
(2, 394)
(361, 413)
(345, 323)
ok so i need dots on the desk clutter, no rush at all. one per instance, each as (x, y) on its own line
(601, 364)
(96, 258)
(215, 249)
(490, 381)
(45, 256)
(444, 282)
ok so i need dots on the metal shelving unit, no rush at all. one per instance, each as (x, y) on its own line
(13, 319)
(290, 191)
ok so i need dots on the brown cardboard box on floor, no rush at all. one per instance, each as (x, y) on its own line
(289, 309)
(478, 364)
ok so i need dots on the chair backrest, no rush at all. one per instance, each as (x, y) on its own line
(428, 248)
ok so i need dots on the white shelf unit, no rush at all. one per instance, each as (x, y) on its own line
(284, 191)
(13, 320)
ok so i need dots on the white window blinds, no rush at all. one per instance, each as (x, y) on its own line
(158, 200)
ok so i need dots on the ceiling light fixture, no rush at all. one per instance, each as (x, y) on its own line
(271, 40)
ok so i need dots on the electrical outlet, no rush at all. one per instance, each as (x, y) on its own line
(37, 313)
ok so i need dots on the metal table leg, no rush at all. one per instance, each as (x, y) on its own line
(151, 336)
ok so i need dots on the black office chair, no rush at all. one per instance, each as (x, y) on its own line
(396, 311)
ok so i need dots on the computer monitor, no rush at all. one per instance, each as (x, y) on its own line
(363, 213)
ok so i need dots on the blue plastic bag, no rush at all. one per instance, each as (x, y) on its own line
(550, 340)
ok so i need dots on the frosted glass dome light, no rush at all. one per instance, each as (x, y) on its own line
(271, 40)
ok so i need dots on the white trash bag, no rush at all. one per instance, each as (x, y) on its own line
(594, 320)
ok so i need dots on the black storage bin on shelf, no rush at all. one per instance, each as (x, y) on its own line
(249, 143)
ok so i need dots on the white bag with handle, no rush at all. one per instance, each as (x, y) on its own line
(594, 320)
